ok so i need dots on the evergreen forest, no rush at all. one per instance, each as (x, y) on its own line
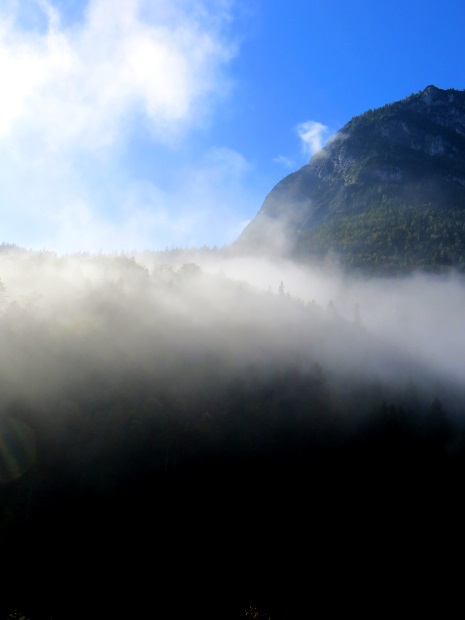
(177, 443)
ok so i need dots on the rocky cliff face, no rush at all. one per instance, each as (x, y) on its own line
(386, 194)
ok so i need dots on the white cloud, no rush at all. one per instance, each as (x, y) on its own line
(78, 86)
(201, 203)
(312, 135)
(76, 98)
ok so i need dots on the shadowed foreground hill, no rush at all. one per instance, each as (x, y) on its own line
(174, 443)
(386, 195)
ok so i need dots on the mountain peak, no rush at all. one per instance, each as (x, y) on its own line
(432, 95)
(431, 91)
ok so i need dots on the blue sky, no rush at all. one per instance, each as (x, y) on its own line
(151, 124)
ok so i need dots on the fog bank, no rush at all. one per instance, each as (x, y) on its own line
(110, 310)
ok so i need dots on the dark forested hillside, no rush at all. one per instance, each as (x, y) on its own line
(177, 443)
(385, 196)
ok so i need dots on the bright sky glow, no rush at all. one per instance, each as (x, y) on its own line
(151, 124)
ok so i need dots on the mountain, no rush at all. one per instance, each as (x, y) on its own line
(385, 195)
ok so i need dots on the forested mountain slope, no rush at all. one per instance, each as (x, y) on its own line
(385, 196)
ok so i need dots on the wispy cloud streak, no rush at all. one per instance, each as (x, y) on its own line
(312, 136)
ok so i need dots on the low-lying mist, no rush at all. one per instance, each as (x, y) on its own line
(160, 314)
(420, 313)
(189, 324)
